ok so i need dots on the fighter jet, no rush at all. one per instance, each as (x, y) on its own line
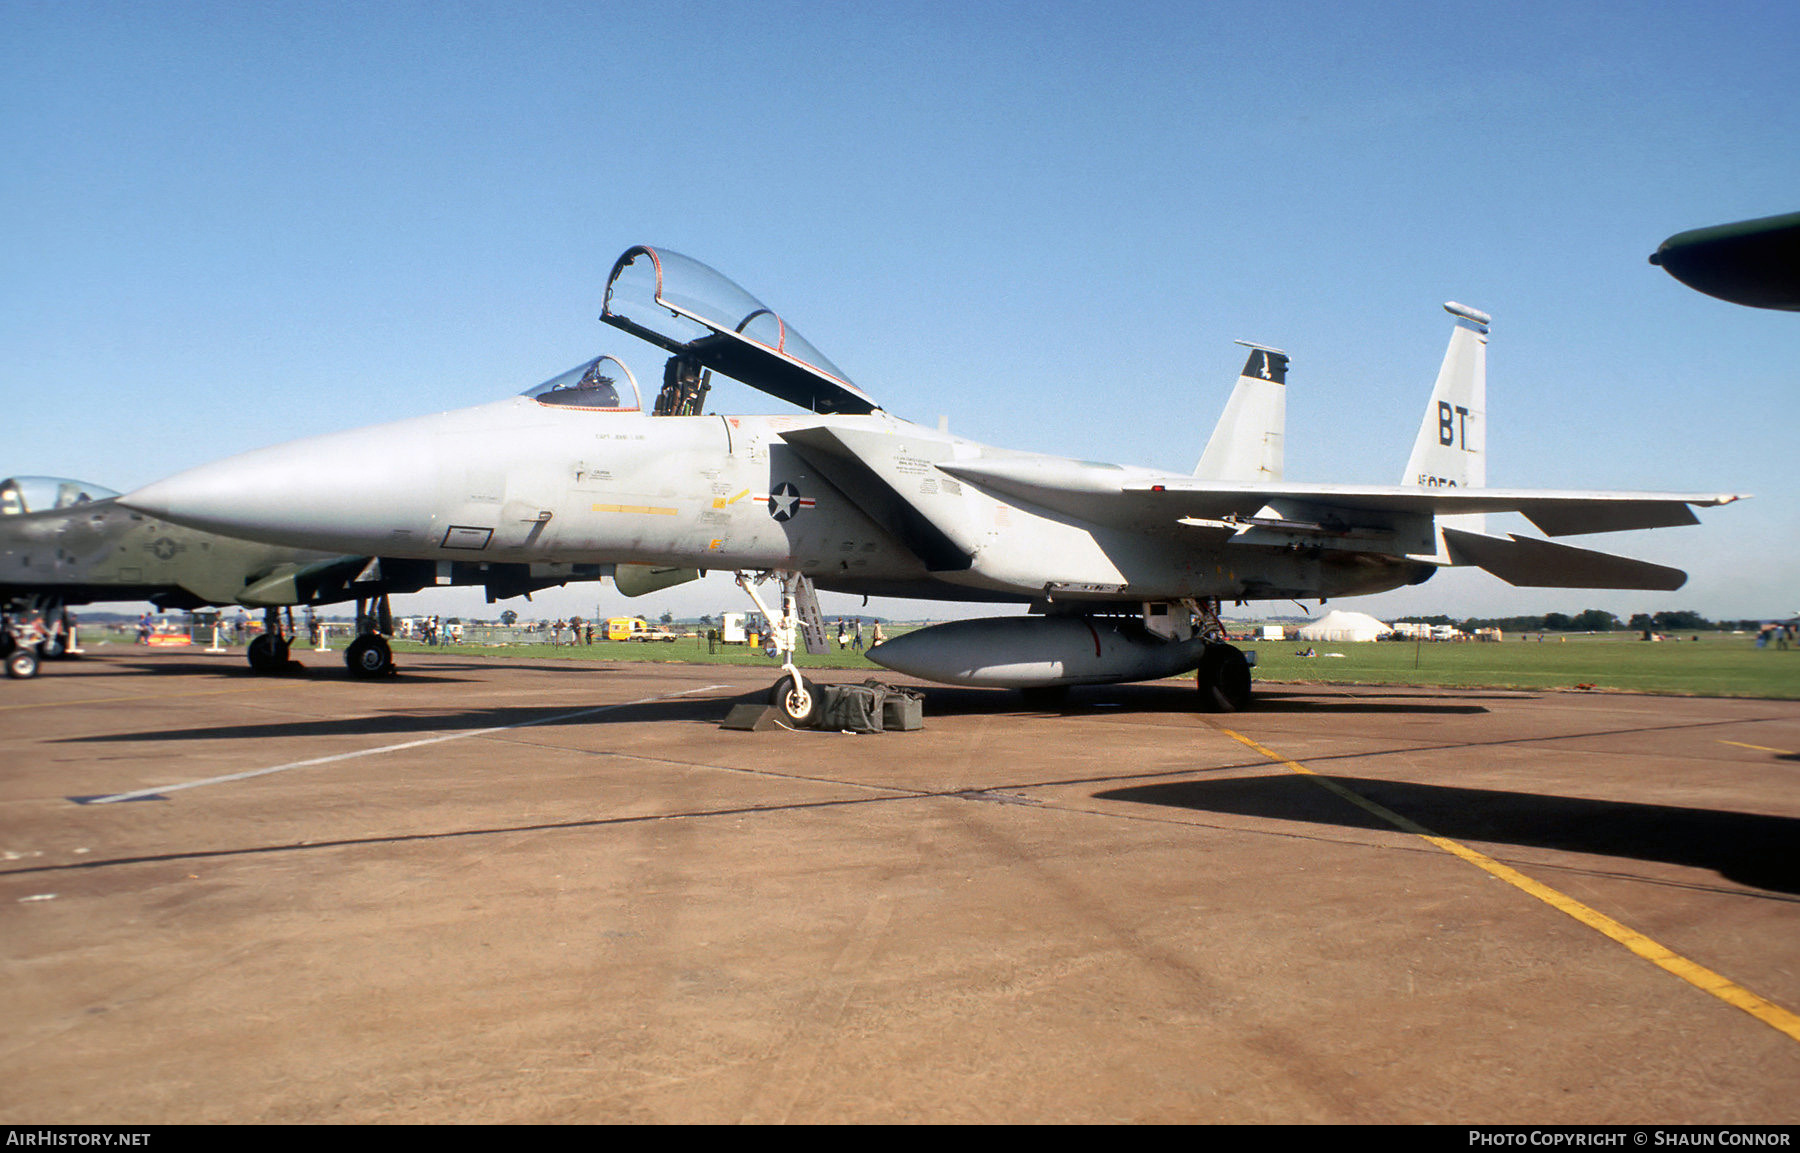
(67, 542)
(1125, 566)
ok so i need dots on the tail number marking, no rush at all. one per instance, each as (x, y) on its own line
(1453, 425)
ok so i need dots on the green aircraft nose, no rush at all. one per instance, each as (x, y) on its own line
(1753, 262)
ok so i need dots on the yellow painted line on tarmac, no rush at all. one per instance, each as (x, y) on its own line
(1761, 748)
(1699, 976)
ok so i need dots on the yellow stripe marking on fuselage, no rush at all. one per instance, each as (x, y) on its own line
(648, 509)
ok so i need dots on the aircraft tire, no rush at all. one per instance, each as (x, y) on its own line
(800, 709)
(22, 663)
(369, 656)
(54, 648)
(1224, 680)
(266, 654)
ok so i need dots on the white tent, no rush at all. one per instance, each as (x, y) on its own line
(1338, 625)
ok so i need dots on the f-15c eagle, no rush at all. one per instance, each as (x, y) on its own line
(1127, 566)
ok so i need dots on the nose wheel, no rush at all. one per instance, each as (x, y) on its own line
(798, 699)
(22, 663)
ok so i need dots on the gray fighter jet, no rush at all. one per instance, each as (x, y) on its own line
(67, 542)
(1125, 567)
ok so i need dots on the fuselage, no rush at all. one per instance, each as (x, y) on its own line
(520, 480)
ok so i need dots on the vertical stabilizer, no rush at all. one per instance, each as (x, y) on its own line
(1451, 449)
(1246, 443)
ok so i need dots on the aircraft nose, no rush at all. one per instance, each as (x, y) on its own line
(339, 493)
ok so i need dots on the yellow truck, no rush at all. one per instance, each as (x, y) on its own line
(626, 628)
(636, 629)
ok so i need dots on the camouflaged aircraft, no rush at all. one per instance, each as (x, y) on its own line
(1125, 567)
(67, 542)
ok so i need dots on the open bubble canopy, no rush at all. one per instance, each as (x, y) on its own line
(681, 305)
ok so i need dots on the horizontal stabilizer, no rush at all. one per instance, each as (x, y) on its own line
(297, 584)
(1532, 563)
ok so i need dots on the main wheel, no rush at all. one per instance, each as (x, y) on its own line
(369, 656)
(1223, 679)
(267, 655)
(799, 701)
(22, 663)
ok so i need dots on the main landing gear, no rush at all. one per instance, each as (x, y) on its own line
(369, 655)
(27, 641)
(268, 651)
(1223, 677)
(796, 697)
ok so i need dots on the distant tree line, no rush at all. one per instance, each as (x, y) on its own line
(1591, 621)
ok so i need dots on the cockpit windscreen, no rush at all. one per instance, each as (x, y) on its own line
(23, 494)
(603, 383)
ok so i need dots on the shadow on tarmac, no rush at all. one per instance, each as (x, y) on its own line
(226, 668)
(419, 721)
(1748, 848)
(1097, 700)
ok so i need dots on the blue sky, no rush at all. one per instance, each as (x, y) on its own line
(228, 225)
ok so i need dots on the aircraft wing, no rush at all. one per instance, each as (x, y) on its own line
(1557, 513)
(1107, 492)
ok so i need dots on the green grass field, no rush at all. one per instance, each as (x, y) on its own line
(1718, 664)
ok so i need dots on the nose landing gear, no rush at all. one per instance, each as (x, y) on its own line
(796, 697)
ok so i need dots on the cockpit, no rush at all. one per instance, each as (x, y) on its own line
(24, 494)
(604, 384)
(708, 324)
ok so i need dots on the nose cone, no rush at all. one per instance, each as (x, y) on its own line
(344, 492)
